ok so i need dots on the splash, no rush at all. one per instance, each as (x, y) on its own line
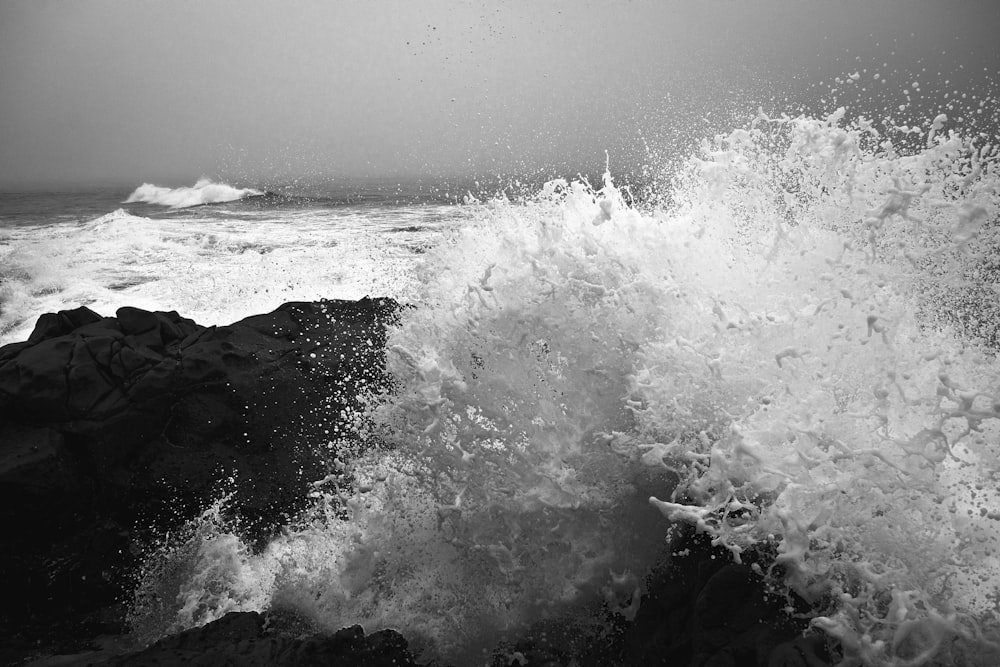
(796, 353)
(204, 191)
(852, 307)
(196, 577)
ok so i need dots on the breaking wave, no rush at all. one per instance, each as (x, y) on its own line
(203, 192)
(797, 353)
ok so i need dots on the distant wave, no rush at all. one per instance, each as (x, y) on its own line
(204, 191)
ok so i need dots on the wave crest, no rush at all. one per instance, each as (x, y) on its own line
(205, 191)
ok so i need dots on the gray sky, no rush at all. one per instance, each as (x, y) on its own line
(126, 91)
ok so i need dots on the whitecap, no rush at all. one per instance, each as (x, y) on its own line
(205, 191)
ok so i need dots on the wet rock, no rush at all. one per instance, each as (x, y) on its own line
(699, 609)
(703, 609)
(115, 430)
(250, 639)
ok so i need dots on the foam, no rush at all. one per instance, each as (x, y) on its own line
(215, 271)
(204, 191)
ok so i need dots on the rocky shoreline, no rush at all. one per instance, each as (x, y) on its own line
(115, 430)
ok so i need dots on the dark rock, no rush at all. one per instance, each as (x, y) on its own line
(250, 639)
(699, 609)
(116, 430)
(703, 609)
(51, 325)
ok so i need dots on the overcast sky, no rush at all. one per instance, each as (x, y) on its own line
(126, 91)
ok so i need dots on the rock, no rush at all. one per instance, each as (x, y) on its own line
(251, 639)
(703, 609)
(699, 609)
(248, 639)
(115, 430)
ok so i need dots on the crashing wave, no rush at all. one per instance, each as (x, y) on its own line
(791, 340)
(205, 191)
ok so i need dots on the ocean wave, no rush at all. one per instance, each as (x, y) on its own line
(117, 215)
(790, 341)
(205, 191)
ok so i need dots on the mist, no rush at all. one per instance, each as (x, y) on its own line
(107, 92)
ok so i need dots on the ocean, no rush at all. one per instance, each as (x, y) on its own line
(793, 334)
(213, 252)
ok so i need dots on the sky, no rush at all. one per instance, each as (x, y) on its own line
(255, 91)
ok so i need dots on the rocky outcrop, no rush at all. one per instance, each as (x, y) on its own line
(250, 639)
(114, 430)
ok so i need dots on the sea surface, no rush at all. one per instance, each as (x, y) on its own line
(213, 252)
(794, 344)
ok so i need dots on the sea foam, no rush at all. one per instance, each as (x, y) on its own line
(215, 270)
